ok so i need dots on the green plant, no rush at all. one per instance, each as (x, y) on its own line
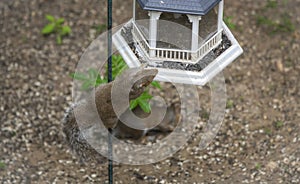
(229, 22)
(100, 28)
(262, 20)
(229, 104)
(283, 25)
(272, 4)
(89, 80)
(205, 114)
(258, 166)
(93, 79)
(142, 101)
(2, 165)
(55, 26)
(268, 131)
(279, 124)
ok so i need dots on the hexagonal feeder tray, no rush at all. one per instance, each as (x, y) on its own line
(196, 63)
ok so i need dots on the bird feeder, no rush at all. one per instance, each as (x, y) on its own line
(193, 56)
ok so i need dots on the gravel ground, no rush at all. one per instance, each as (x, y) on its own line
(259, 141)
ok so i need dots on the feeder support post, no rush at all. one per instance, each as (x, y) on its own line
(134, 10)
(194, 19)
(220, 15)
(154, 16)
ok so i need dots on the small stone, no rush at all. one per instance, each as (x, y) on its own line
(60, 173)
(279, 65)
(37, 83)
(286, 161)
(272, 166)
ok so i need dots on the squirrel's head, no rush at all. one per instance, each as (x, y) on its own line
(143, 78)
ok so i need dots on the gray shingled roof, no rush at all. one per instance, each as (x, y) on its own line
(196, 7)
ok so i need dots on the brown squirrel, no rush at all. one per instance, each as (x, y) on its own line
(75, 138)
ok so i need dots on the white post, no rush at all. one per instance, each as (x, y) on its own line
(220, 15)
(195, 32)
(154, 16)
(134, 10)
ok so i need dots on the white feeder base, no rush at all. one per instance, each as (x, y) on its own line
(182, 76)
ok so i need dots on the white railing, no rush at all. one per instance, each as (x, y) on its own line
(177, 55)
(210, 44)
(140, 39)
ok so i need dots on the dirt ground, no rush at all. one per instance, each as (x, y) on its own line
(259, 141)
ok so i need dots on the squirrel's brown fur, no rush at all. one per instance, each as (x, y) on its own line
(74, 137)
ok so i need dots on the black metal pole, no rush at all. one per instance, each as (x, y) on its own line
(109, 73)
(109, 27)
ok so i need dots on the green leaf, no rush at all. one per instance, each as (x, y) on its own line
(58, 40)
(229, 104)
(2, 165)
(156, 84)
(79, 76)
(145, 96)
(91, 79)
(142, 101)
(145, 106)
(133, 104)
(272, 4)
(93, 74)
(118, 65)
(60, 21)
(50, 18)
(48, 29)
(94, 77)
(119, 70)
(65, 30)
(86, 86)
(117, 59)
(229, 23)
(100, 81)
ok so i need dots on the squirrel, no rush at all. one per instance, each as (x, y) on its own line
(166, 125)
(75, 139)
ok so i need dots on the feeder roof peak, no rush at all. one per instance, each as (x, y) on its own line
(195, 7)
